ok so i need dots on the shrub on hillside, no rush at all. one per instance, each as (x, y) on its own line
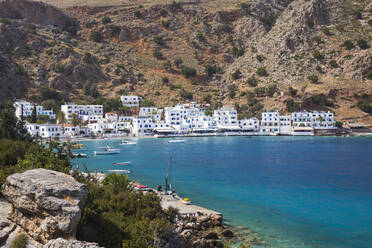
(271, 90)
(163, 13)
(261, 71)
(236, 74)
(106, 20)
(317, 55)
(348, 44)
(313, 78)
(157, 54)
(96, 36)
(252, 81)
(292, 91)
(369, 75)
(186, 95)
(365, 106)
(137, 14)
(333, 63)
(363, 44)
(188, 71)
(291, 105)
(165, 23)
(20, 241)
(237, 52)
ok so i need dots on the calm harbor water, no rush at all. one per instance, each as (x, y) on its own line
(294, 191)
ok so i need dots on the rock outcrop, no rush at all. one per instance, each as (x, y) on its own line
(46, 204)
(63, 243)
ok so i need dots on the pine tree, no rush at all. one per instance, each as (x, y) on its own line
(33, 115)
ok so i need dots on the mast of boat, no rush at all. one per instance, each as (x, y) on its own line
(167, 178)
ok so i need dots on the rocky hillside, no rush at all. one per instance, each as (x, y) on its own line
(255, 55)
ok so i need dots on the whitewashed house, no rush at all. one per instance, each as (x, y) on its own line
(226, 118)
(111, 117)
(250, 125)
(91, 118)
(82, 110)
(323, 120)
(44, 130)
(269, 124)
(142, 126)
(131, 101)
(285, 127)
(153, 112)
(28, 108)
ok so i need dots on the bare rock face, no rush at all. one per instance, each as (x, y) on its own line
(46, 204)
(63, 243)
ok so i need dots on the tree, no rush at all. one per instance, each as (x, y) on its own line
(313, 78)
(34, 115)
(95, 36)
(147, 103)
(8, 122)
(348, 44)
(178, 62)
(62, 120)
(236, 75)
(261, 71)
(271, 90)
(252, 81)
(188, 71)
(292, 91)
(106, 20)
(363, 44)
(75, 120)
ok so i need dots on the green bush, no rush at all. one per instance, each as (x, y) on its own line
(207, 98)
(245, 7)
(268, 19)
(365, 106)
(271, 90)
(313, 78)
(106, 20)
(291, 105)
(5, 21)
(20, 70)
(188, 71)
(348, 44)
(200, 37)
(165, 80)
(165, 23)
(163, 13)
(167, 65)
(212, 69)
(292, 91)
(368, 75)
(175, 6)
(261, 71)
(317, 55)
(158, 54)
(363, 44)
(333, 64)
(95, 36)
(236, 74)
(158, 40)
(237, 52)
(232, 90)
(326, 31)
(259, 91)
(252, 81)
(309, 23)
(339, 124)
(178, 62)
(137, 14)
(319, 68)
(71, 26)
(59, 68)
(260, 58)
(20, 241)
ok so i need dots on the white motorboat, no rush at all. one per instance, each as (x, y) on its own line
(127, 142)
(79, 155)
(176, 141)
(107, 151)
(122, 163)
(120, 171)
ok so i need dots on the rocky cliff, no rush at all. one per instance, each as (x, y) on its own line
(322, 49)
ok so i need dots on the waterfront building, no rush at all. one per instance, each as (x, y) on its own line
(28, 108)
(250, 125)
(111, 117)
(125, 118)
(316, 120)
(131, 101)
(270, 123)
(44, 130)
(91, 118)
(142, 126)
(81, 110)
(226, 119)
(285, 125)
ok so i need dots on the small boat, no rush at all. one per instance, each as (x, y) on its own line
(187, 201)
(77, 146)
(138, 186)
(107, 151)
(127, 142)
(79, 155)
(122, 163)
(120, 171)
(176, 141)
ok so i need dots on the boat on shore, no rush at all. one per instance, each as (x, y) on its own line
(176, 141)
(76, 146)
(120, 171)
(122, 163)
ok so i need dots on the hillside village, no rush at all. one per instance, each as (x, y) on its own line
(189, 119)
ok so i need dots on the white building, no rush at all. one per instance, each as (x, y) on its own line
(44, 130)
(285, 125)
(142, 126)
(316, 120)
(250, 125)
(91, 118)
(153, 112)
(82, 110)
(270, 123)
(28, 108)
(226, 118)
(131, 101)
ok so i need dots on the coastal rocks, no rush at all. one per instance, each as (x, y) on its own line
(46, 204)
(63, 243)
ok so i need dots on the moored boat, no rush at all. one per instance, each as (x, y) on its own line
(79, 155)
(122, 163)
(127, 142)
(176, 141)
(120, 171)
(107, 151)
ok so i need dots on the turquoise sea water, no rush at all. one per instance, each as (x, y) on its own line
(294, 191)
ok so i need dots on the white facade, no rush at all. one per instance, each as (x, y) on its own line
(252, 124)
(44, 130)
(153, 112)
(285, 127)
(81, 110)
(270, 123)
(142, 126)
(226, 117)
(91, 118)
(131, 101)
(316, 120)
(28, 108)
